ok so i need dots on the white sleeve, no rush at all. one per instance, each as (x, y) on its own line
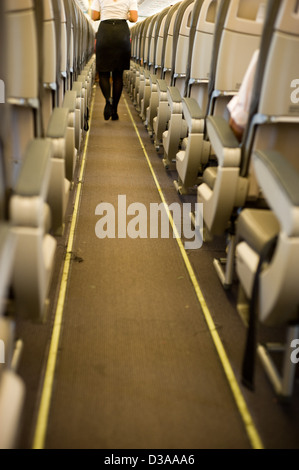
(133, 5)
(95, 5)
(239, 104)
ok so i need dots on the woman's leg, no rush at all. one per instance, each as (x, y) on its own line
(104, 81)
(117, 87)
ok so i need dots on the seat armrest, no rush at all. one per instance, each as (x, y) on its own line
(35, 170)
(4, 236)
(191, 109)
(162, 85)
(223, 141)
(193, 115)
(77, 87)
(174, 100)
(174, 94)
(279, 182)
(153, 79)
(70, 100)
(58, 123)
(282, 171)
(223, 131)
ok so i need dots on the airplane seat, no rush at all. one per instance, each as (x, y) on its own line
(200, 64)
(239, 38)
(84, 79)
(7, 322)
(57, 6)
(22, 89)
(272, 125)
(58, 193)
(73, 133)
(163, 51)
(152, 104)
(184, 43)
(88, 71)
(130, 74)
(139, 63)
(70, 41)
(149, 75)
(139, 89)
(31, 218)
(144, 69)
(145, 94)
(144, 42)
(160, 34)
(12, 387)
(267, 257)
(154, 31)
(47, 52)
(75, 39)
(80, 107)
(149, 42)
(64, 86)
(149, 67)
(201, 35)
(267, 273)
(194, 151)
(176, 48)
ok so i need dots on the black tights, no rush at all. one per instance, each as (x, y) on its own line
(117, 86)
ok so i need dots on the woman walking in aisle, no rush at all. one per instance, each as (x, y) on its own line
(113, 47)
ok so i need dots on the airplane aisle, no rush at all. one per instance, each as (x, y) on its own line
(136, 367)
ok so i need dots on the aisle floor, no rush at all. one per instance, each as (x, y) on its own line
(136, 365)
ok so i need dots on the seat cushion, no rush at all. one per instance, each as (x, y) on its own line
(257, 227)
(210, 175)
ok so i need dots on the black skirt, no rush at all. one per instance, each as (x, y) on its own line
(113, 51)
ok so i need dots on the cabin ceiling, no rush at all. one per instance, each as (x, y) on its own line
(150, 7)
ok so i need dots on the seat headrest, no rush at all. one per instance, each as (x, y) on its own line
(18, 5)
(288, 18)
(207, 17)
(246, 17)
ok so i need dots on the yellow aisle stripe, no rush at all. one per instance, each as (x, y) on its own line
(251, 430)
(44, 407)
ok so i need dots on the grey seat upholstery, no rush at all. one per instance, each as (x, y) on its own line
(162, 29)
(21, 95)
(234, 44)
(277, 297)
(146, 68)
(196, 74)
(59, 188)
(141, 53)
(234, 169)
(30, 217)
(266, 172)
(177, 45)
(37, 131)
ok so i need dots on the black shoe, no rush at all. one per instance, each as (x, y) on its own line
(114, 116)
(107, 111)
